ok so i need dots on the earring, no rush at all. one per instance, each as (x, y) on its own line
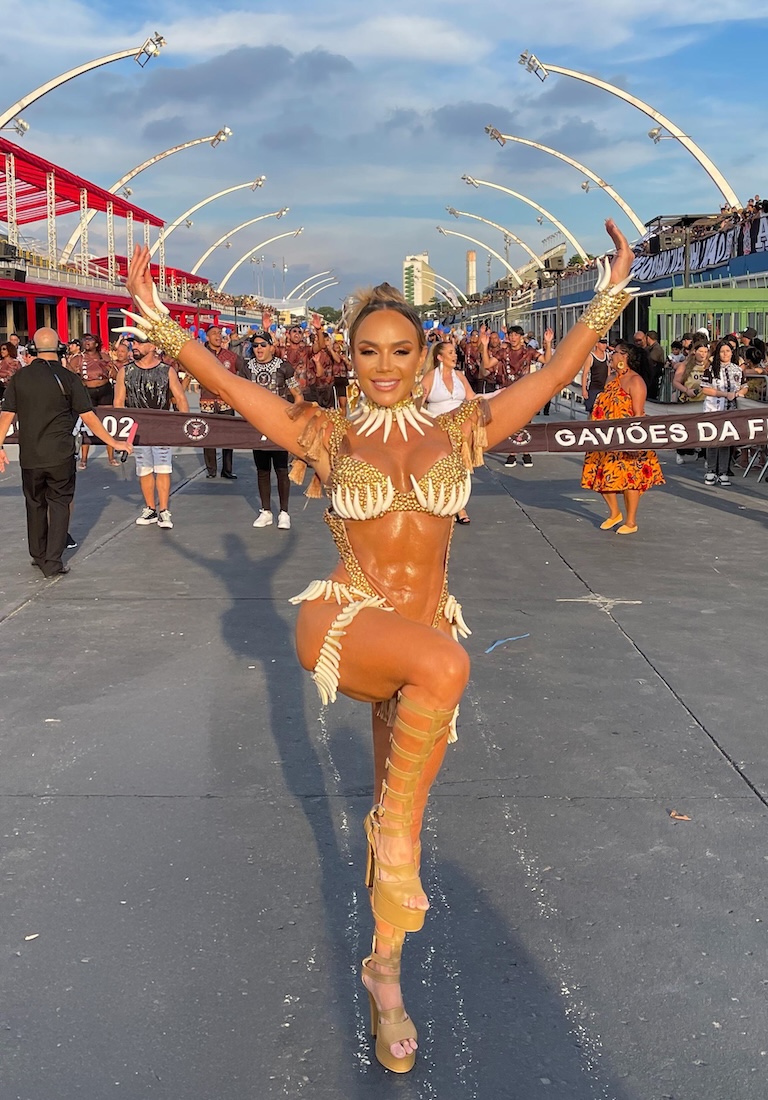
(418, 391)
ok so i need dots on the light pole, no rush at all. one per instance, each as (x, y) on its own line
(315, 287)
(333, 282)
(274, 214)
(472, 182)
(542, 71)
(502, 139)
(310, 287)
(449, 295)
(308, 280)
(507, 232)
(166, 231)
(182, 218)
(142, 54)
(81, 233)
(453, 287)
(17, 125)
(510, 269)
(256, 248)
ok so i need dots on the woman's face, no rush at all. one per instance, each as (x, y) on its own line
(701, 353)
(4, 351)
(387, 357)
(726, 353)
(619, 360)
(448, 356)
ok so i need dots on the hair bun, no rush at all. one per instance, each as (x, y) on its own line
(384, 296)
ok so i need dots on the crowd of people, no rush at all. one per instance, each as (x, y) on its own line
(392, 419)
(311, 363)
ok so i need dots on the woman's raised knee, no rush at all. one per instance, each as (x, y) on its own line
(443, 672)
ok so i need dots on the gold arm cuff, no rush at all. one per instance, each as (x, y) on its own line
(169, 335)
(604, 309)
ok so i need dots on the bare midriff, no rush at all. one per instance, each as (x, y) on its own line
(403, 555)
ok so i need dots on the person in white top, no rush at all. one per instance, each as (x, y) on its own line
(722, 382)
(445, 388)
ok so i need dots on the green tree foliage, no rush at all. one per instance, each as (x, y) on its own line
(329, 314)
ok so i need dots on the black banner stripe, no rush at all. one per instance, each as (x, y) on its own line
(658, 433)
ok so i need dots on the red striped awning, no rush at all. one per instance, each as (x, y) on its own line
(31, 174)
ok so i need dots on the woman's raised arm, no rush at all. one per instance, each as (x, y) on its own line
(513, 408)
(265, 410)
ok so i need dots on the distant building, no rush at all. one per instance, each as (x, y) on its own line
(471, 272)
(418, 279)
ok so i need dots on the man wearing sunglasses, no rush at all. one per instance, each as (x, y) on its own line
(269, 370)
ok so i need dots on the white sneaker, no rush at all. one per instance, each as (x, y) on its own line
(679, 460)
(710, 479)
(164, 519)
(264, 519)
(148, 515)
(283, 522)
(724, 479)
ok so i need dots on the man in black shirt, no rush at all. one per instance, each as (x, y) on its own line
(269, 370)
(48, 400)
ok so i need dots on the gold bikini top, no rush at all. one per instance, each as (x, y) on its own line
(360, 491)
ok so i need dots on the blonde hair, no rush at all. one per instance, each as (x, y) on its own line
(373, 299)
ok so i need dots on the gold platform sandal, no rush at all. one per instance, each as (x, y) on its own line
(389, 896)
(390, 1025)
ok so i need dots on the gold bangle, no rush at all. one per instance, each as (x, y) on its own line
(169, 335)
(604, 309)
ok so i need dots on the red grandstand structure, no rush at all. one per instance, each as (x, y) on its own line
(81, 296)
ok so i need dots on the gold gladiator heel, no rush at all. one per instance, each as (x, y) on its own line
(389, 896)
(390, 1025)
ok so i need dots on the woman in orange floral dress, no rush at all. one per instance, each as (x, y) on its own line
(630, 473)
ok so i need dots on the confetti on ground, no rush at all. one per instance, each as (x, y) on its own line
(503, 641)
(33, 936)
(678, 817)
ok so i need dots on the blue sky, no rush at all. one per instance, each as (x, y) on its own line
(364, 119)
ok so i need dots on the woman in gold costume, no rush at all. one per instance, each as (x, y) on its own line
(383, 628)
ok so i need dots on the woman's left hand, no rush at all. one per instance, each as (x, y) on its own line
(621, 263)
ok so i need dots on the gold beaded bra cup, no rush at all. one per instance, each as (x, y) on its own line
(360, 491)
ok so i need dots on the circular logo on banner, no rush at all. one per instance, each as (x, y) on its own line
(521, 438)
(195, 428)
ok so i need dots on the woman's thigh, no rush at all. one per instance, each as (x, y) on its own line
(381, 653)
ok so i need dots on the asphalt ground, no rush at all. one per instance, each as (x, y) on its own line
(182, 854)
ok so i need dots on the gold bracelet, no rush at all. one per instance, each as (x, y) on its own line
(604, 309)
(167, 334)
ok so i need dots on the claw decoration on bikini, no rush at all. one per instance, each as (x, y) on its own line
(609, 301)
(156, 325)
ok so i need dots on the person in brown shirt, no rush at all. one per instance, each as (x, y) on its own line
(513, 363)
(299, 354)
(97, 374)
(212, 403)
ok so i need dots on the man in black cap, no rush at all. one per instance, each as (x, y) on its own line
(268, 370)
(48, 401)
(746, 340)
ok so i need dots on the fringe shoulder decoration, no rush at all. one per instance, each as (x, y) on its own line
(314, 440)
(466, 426)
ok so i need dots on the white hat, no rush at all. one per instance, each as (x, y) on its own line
(702, 331)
